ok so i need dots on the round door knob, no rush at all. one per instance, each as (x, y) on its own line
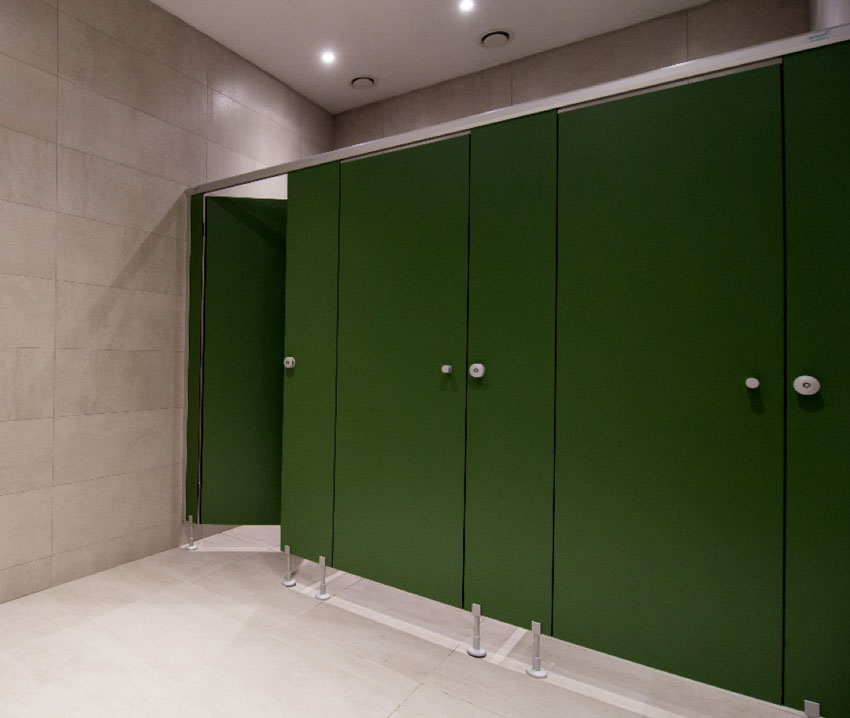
(446, 368)
(806, 385)
(476, 371)
(289, 362)
(752, 383)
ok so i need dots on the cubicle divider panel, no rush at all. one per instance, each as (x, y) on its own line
(400, 419)
(817, 151)
(511, 408)
(669, 472)
(243, 348)
(309, 402)
(195, 333)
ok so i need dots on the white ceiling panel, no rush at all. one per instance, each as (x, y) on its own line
(405, 44)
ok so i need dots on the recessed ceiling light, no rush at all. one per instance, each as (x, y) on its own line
(363, 82)
(466, 5)
(329, 57)
(495, 38)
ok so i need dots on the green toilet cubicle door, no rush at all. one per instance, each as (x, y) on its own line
(511, 408)
(669, 476)
(242, 369)
(402, 316)
(309, 404)
(817, 611)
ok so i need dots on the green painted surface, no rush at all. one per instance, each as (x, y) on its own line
(243, 370)
(400, 421)
(669, 476)
(817, 611)
(511, 410)
(193, 428)
(312, 238)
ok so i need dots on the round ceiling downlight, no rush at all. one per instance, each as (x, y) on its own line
(496, 38)
(364, 82)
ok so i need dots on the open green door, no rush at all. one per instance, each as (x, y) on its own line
(242, 348)
(669, 476)
(511, 409)
(402, 316)
(309, 405)
(817, 611)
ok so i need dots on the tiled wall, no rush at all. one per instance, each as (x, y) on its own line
(110, 109)
(715, 27)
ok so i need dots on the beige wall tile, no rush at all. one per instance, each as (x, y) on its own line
(246, 83)
(359, 125)
(91, 317)
(25, 518)
(89, 512)
(31, 322)
(27, 240)
(29, 99)
(27, 169)
(308, 149)
(316, 124)
(107, 255)
(99, 557)
(724, 25)
(26, 384)
(112, 68)
(89, 382)
(239, 128)
(26, 455)
(96, 445)
(119, 195)
(92, 123)
(28, 32)
(149, 28)
(631, 51)
(222, 162)
(25, 579)
(464, 96)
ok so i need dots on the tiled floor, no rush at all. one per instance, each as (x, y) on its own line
(213, 633)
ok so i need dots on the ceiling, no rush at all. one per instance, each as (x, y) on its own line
(404, 44)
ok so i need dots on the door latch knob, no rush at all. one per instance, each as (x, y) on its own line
(476, 371)
(806, 385)
(289, 362)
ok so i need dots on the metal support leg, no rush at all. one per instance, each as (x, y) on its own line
(323, 594)
(811, 709)
(288, 581)
(191, 545)
(475, 649)
(534, 670)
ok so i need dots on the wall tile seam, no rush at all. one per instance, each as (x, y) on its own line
(44, 487)
(182, 238)
(59, 415)
(297, 130)
(162, 524)
(26, 276)
(90, 479)
(118, 287)
(27, 563)
(6, 349)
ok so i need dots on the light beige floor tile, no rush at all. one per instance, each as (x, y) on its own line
(266, 536)
(414, 657)
(427, 702)
(31, 618)
(512, 693)
(185, 565)
(591, 667)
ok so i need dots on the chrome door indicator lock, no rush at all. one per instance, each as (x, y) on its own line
(446, 368)
(289, 362)
(752, 383)
(806, 385)
(476, 371)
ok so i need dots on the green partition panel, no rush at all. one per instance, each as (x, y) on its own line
(511, 409)
(817, 147)
(669, 475)
(193, 388)
(309, 404)
(402, 315)
(242, 369)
